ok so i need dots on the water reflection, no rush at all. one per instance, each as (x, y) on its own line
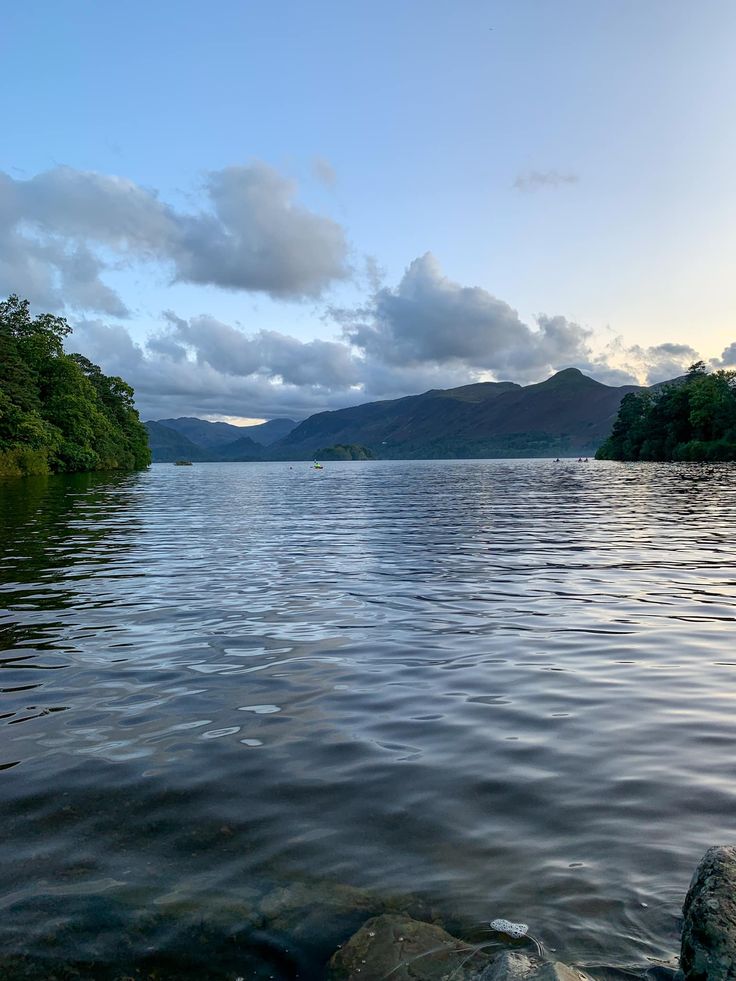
(244, 707)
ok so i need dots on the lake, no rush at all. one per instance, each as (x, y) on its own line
(245, 706)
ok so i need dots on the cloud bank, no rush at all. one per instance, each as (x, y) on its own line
(61, 229)
(425, 332)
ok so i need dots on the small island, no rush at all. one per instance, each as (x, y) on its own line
(342, 451)
(59, 412)
(690, 418)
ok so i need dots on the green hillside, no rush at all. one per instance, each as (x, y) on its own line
(568, 413)
(167, 445)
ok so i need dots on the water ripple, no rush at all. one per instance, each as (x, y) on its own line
(239, 698)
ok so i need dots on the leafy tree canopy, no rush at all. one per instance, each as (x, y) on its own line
(693, 418)
(58, 411)
(343, 451)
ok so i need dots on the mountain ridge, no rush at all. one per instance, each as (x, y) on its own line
(567, 413)
(210, 434)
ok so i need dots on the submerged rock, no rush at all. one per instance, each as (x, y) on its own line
(302, 910)
(709, 931)
(318, 915)
(403, 948)
(512, 965)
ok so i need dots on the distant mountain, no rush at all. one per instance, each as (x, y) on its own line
(207, 435)
(568, 413)
(167, 445)
(269, 432)
(241, 449)
(414, 419)
(203, 434)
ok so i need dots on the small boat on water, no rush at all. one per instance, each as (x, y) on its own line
(317, 466)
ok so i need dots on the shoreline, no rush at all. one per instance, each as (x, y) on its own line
(407, 942)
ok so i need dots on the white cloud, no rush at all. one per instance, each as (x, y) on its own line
(657, 363)
(429, 319)
(727, 358)
(60, 230)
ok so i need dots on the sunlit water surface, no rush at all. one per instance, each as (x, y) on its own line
(243, 707)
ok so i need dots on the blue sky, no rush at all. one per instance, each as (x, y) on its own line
(565, 160)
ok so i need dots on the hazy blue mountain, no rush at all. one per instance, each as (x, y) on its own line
(169, 443)
(208, 435)
(201, 432)
(269, 432)
(240, 449)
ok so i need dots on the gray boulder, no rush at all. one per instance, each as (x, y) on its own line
(403, 948)
(512, 965)
(709, 930)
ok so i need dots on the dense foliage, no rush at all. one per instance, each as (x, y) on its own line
(693, 418)
(58, 412)
(342, 451)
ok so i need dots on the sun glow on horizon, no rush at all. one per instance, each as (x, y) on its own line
(235, 420)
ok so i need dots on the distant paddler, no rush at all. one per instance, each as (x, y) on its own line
(317, 466)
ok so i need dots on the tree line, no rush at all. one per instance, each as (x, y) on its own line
(692, 418)
(58, 411)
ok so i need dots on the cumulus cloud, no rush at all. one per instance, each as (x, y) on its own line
(537, 180)
(606, 373)
(666, 361)
(61, 229)
(661, 362)
(621, 364)
(183, 369)
(727, 358)
(203, 366)
(268, 353)
(429, 319)
(258, 238)
(53, 272)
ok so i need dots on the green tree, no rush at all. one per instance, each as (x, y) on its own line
(59, 411)
(693, 418)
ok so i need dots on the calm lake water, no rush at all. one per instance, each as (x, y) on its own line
(245, 706)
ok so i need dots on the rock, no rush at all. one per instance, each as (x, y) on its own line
(509, 966)
(319, 915)
(303, 910)
(709, 931)
(403, 948)
(512, 965)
